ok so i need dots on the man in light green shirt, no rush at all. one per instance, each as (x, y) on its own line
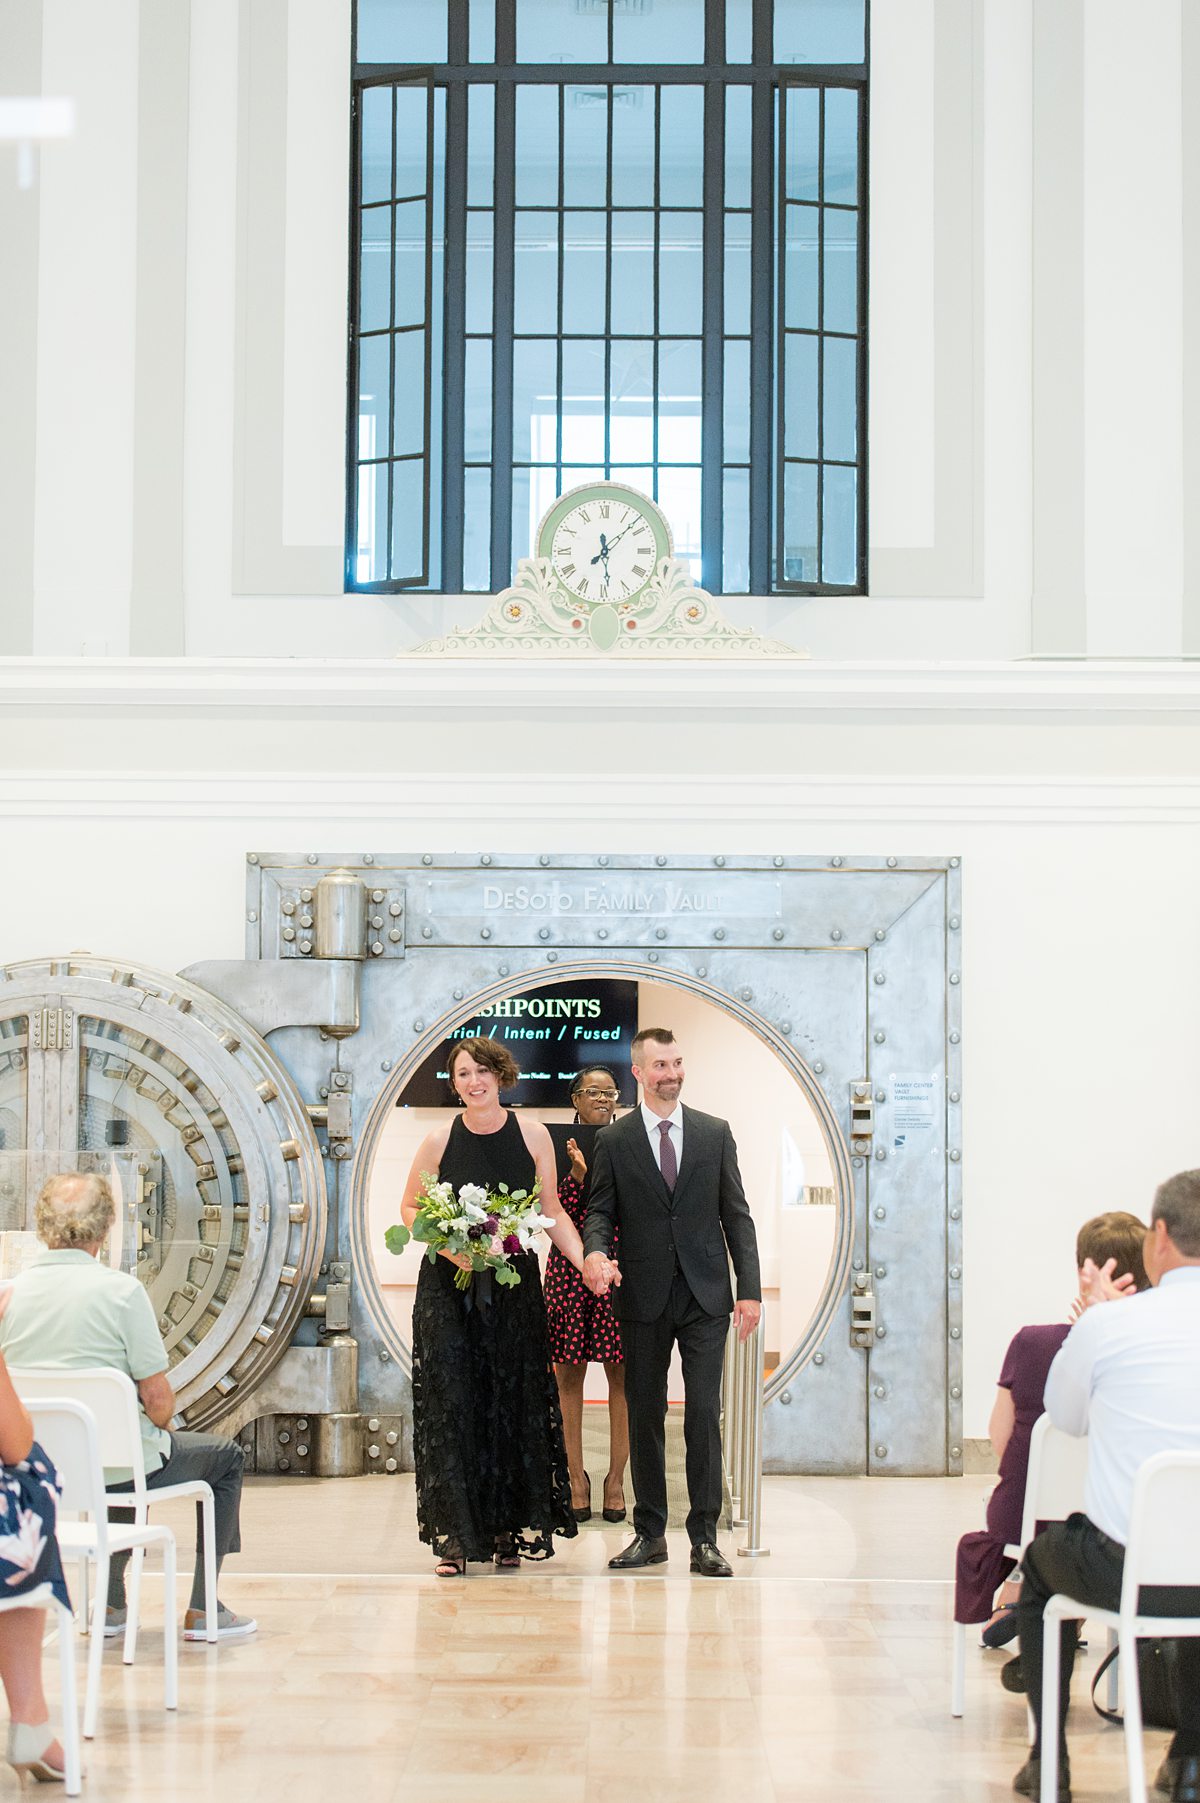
(68, 1310)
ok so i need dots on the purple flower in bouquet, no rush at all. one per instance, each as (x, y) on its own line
(476, 1231)
(492, 1224)
(512, 1244)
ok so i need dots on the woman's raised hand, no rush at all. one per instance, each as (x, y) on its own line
(578, 1171)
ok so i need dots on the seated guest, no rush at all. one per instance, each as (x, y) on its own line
(981, 1562)
(68, 1309)
(1128, 1378)
(29, 1561)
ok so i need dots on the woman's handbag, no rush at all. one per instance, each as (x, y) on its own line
(1157, 1667)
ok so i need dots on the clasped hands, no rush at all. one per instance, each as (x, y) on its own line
(1098, 1283)
(600, 1274)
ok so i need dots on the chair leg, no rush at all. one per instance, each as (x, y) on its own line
(1051, 1648)
(170, 1627)
(1114, 1673)
(133, 1602)
(91, 1700)
(1135, 1762)
(84, 1588)
(70, 1700)
(209, 1510)
(958, 1682)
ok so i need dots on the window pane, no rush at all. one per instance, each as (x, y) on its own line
(800, 522)
(841, 145)
(659, 34)
(633, 147)
(735, 526)
(737, 272)
(370, 552)
(681, 145)
(408, 490)
(535, 272)
(537, 146)
(631, 390)
(839, 409)
(739, 31)
(480, 253)
(800, 269)
(802, 169)
(841, 271)
(408, 420)
(584, 264)
(679, 396)
(376, 115)
(680, 272)
(737, 147)
(374, 388)
(401, 31)
(410, 263)
(737, 402)
(375, 269)
(549, 32)
(632, 275)
(819, 31)
(477, 384)
(799, 396)
(481, 146)
(482, 26)
(839, 525)
(535, 400)
(583, 401)
(585, 151)
(477, 530)
(679, 498)
(412, 144)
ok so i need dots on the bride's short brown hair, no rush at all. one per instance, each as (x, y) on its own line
(493, 1056)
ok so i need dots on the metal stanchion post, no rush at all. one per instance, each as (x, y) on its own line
(752, 1501)
(737, 1423)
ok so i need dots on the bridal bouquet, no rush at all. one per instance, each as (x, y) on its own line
(490, 1226)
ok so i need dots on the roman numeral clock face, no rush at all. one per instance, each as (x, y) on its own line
(603, 542)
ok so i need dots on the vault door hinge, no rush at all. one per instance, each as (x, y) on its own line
(53, 1029)
(862, 1311)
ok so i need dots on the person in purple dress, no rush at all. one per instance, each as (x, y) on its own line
(582, 1326)
(982, 1566)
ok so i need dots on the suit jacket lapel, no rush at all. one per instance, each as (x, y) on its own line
(644, 1157)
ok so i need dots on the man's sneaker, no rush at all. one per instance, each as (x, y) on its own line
(114, 1622)
(229, 1625)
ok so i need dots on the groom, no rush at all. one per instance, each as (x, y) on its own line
(667, 1177)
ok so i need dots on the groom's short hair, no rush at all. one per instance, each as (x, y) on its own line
(663, 1035)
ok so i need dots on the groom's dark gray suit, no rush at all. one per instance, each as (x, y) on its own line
(674, 1253)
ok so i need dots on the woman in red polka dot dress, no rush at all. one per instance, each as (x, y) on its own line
(582, 1327)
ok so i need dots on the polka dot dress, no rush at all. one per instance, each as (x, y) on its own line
(582, 1327)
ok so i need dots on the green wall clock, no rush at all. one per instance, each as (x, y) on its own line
(603, 542)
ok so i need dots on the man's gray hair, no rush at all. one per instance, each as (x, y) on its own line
(74, 1210)
(1177, 1203)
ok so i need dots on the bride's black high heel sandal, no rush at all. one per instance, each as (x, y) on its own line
(451, 1564)
(506, 1557)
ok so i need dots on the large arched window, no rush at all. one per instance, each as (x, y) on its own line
(609, 238)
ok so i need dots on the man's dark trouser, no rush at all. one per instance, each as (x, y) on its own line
(216, 1460)
(1075, 1559)
(647, 1348)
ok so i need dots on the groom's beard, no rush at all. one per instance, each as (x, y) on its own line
(667, 1089)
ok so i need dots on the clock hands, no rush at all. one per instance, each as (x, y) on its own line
(635, 521)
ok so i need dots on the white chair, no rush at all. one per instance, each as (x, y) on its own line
(1054, 1483)
(66, 1429)
(44, 1598)
(113, 1400)
(1163, 1548)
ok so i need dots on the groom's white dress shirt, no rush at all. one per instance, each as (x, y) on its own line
(654, 1121)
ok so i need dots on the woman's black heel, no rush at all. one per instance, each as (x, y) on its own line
(584, 1514)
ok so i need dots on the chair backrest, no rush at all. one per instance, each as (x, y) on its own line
(113, 1401)
(1164, 1547)
(66, 1431)
(1055, 1477)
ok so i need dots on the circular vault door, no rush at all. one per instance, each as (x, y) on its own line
(155, 1082)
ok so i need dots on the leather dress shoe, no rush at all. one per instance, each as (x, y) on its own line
(1187, 1780)
(1028, 1781)
(640, 1552)
(708, 1563)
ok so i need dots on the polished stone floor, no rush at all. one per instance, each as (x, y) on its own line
(822, 1671)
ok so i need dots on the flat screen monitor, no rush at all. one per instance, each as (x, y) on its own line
(552, 1034)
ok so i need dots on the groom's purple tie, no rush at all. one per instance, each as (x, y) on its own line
(666, 1155)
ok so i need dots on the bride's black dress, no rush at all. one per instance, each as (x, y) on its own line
(487, 1429)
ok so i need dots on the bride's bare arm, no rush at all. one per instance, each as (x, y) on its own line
(428, 1158)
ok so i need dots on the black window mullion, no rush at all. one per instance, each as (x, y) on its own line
(779, 459)
(820, 337)
(391, 411)
(454, 343)
(762, 244)
(862, 395)
(712, 353)
(502, 332)
(655, 272)
(562, 257)
(608, 272)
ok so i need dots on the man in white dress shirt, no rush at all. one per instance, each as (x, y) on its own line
(1128, 1378)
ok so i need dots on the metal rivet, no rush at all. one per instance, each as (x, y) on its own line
(252, 857)
(881, 1214)
(602, 933)
(652, 957)
(385, 1356)
(956, 1271)
(955, 1155)
(880, 935)
(378, 895)
(880, 1391)
(881, 1095)
(305, 947)
(892, 862)
(285, 1439)
(425, 858)
(953, 923)
(954, 863)
(880, 1037)
(881, 1333)
(956, 1452)
(252, 915)
(502, 970)
(955, 1037)
(719, 933)
(458, 995)
(602, 861)
(785, 1397)
(954, 1095)
(956, 1333)
(485, 857)
(485, 932)
(747, 995)
(376, 949)
(543, 932)
(660, 932)
(289, 933)
(881, 1153)
(720, 863)
(395, 908)
(881, 1452)
(373, 1425)
(856, 1162)
(368, 857)
(956, 1391)
(880, 977)
(288, 907)
(857, 1265)
(778, 863)
(818, 1358)
(391, 1436)
(954, 977)
(955, 1213)
(543, 860)
(777, 932)
(390, 1465)
(427, 932)
(552, 957)
(881, 1270)
(386, 1065)
(372, 1452)
(395, 935)
(312, 857)
(660, 861)
(819, 1067)
(418, 1026)
(835, 934)
(836, 862)
(785, 1026)
(702, 970)
(306, 921)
